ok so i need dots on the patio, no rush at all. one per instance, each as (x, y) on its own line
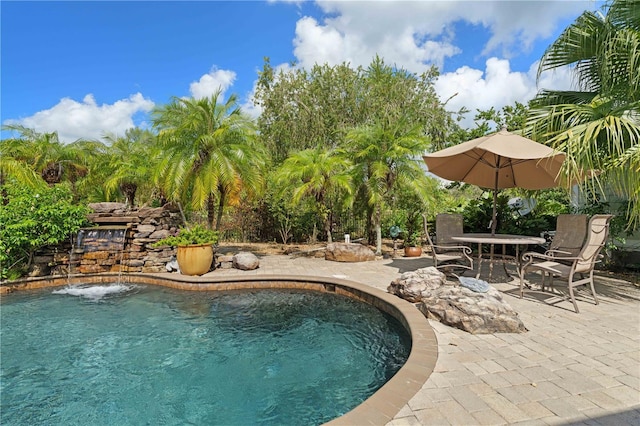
(568, 368)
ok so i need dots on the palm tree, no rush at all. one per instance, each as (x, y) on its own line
(46, 155)
(11, 166)
(385, 156)
(597, 125)
(210, 152)
(130, 163)
(321, 174)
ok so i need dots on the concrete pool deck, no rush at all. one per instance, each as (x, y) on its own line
(567, 369)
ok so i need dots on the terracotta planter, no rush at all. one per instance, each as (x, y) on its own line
(412, 251)
(195, 259)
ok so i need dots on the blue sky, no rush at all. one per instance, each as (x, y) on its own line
(89, 68)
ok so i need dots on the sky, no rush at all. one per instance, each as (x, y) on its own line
(87, 69)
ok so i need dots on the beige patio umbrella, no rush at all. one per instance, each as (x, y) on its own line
(497, 161)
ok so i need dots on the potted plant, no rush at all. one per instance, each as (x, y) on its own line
(412, 245)
(195, 248)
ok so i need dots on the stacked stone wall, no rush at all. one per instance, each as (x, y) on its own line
(142, 228)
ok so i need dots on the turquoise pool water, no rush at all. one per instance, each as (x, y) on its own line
(136, 355)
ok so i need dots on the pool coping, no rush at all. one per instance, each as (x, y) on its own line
(381, 407)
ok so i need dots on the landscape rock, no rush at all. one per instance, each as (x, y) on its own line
(106, 207)
(477, 313)
(147, 229)
(414, 285)
(160, 234)
(38, 270)
(224, 261)
(348, 252)
(107, 249)
(246, 261)
(172, 266)
(150, 212)
(455, 305)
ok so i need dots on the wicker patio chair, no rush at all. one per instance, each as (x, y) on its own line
(447, 253)
(566, 267)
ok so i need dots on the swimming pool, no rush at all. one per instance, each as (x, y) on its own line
(136, 354)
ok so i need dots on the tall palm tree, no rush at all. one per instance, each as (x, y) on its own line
(210, 152)
(321, 174)
(130, 162)
(597, 125)
(385, 155)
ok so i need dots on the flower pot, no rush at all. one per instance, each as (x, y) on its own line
(195, 259)
(412, 251)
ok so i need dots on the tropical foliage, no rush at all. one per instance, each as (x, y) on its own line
(382, 118)
(320, 174)
(210, 153)
(597, 125)
(338, 149)
(129, 163)
(193, 235)
(44, 154)
(34, 219)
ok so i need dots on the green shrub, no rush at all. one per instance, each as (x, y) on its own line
(413, 240)
(32, 219)
(196, 234)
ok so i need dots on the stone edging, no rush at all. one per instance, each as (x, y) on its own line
(378, 409)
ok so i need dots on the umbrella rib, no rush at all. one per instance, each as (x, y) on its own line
(477, 159)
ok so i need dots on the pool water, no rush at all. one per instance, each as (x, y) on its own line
(134, 355)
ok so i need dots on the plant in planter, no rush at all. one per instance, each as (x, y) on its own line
(412, 245)
(195, 248)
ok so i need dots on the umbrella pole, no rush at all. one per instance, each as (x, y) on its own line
(495, 213)
(495, 199)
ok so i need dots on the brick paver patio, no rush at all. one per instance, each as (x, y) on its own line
(567, 369)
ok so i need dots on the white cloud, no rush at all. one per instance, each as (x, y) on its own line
(496, 86)
(249, 107)
(75, 120)
(416, 34)
(210, 83)
(562, 78)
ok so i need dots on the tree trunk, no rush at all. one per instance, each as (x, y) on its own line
(211, 210)
(223, 195)
(378, 228)
(327, 230)
(52, 173)
(129, 190)
(370, 225)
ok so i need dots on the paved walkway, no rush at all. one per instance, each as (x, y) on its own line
(567, 369)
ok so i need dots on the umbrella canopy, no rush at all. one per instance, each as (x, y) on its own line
(497, 161)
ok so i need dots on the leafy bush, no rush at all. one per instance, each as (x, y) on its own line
(413, 240)
(196, 234)
(477, 213)
(32, 220)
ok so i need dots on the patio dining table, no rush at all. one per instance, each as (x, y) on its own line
(500, 239)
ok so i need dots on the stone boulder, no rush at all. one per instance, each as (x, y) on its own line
(414, 285)
(348, 252)
(160, 234)
(152, 212)
(106, 207)
(477, 313)
(224, 261)
(246, 261)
